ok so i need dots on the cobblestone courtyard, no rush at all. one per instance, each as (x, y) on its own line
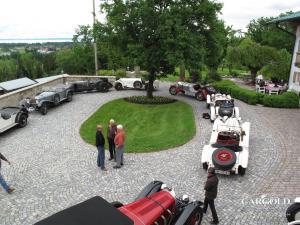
(52, 168)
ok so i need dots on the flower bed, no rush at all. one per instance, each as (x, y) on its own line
(154, 100)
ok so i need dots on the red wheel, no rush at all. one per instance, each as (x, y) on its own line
(224, 158)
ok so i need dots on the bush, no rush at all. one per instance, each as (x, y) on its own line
(154, 100)
(286, 100)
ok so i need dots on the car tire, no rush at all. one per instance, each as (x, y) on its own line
(172, 90)
(137, 85)
(293, 212)
(205, 166)
(116, 204)
(224, 158)
(44, 109)
(22, 120)
(105, 87)
(199, 96)
(241, 170)
(69, 97)
(118, 86)
(56, 100)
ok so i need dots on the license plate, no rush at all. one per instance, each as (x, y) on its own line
(222, 172)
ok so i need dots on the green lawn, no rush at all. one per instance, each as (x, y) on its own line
(148, 127)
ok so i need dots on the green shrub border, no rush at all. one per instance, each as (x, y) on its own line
(153, 101)
(286, 100)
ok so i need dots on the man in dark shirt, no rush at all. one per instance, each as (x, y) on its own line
(211, 190)
(111, 133)
(8, 189)
(100, 142)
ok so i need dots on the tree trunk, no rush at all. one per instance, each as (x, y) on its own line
(150, 85)
(182, 72)
(253, 74)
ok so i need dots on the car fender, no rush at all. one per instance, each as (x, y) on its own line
(44, 101)
(208, 99)
(212, 113)
(153, 187)
(189, 211)
(295, 223)
(243, 157)
(237, 112)
(20, 114)
(207, 153)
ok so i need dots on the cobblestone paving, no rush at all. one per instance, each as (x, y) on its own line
(54, 169)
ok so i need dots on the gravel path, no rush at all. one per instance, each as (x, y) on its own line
(54, 169)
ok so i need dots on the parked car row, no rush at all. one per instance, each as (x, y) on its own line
(43, 101)
(156, 204)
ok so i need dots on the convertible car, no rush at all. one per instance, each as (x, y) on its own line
(136, 83)
(191, 89)
(101, 85)
(155, 205)
(228, 149)
(53, 97)
(12, 116)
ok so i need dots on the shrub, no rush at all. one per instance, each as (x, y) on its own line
(286, 100)
(154, 100)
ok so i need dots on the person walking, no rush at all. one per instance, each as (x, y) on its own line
(100, 142)
(3, 183)
(120, 144)
(211, 190)
(111, 133)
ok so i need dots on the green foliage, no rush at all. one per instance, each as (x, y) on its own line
(286, 100)
(261, 31)
(148, 127)
(279, 68)
(8, 69)
(154, 100)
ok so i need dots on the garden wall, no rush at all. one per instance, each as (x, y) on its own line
(13, 98)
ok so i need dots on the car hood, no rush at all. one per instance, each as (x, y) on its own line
(44, 95)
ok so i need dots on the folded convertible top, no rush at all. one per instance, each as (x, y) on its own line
(95, 211)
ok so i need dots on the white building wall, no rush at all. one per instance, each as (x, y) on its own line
(294, 81)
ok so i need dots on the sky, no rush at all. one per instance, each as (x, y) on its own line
(60, 18)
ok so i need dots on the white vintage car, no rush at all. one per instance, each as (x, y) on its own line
(136, 83)
(12, 116)
(228, 148)
(215, 101)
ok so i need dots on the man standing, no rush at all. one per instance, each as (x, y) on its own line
(120, 143)
(211, 190)
(8, 189)
(100, 142)
(111, 133)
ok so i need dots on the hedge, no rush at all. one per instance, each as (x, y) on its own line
(286, 100)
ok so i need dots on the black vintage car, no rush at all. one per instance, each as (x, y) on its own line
(101, 85)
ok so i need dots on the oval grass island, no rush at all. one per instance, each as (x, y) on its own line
(148, 127)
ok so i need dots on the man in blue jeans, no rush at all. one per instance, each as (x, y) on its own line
(100, 142)
(8, 189)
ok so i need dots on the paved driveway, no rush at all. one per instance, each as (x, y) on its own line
(54, 169)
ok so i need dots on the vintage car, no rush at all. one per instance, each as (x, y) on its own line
(136, 83)
(191, 89)
(221, 105)
(52, 97)
(293, 213)
(12, 116)
(101, 85)
(155, 205)
(228, 148)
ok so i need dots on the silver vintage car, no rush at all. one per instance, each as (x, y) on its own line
(52, 97)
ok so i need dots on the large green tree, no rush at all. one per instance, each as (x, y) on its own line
(266, 33)
(159, 35)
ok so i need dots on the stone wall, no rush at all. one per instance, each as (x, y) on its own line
(13, 98)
